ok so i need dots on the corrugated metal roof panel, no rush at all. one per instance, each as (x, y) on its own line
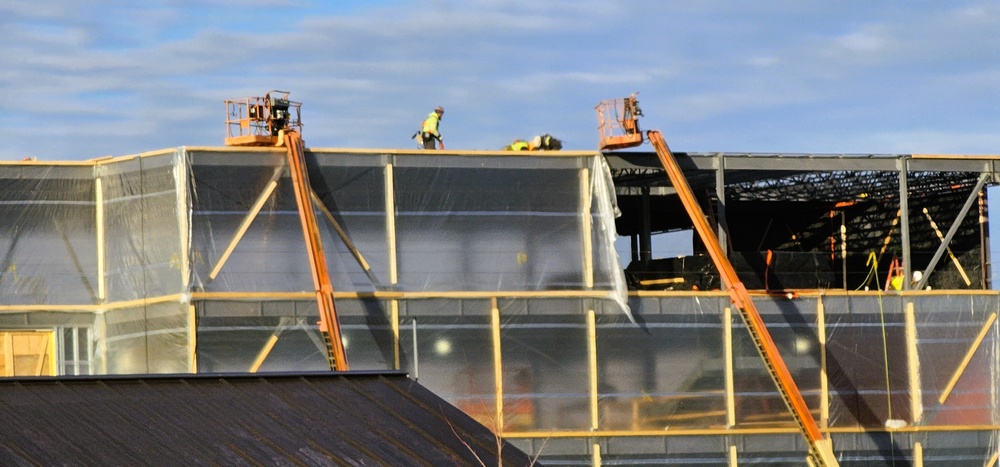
(301, 419)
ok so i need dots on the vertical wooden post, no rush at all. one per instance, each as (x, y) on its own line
(913, 365)
(727, 344)
(390, 224)
(592, 360)
(586, 229)
(824, 381)
(183, 226)
(733, 460)
(918, 454)
(99, 227)
(497, 364)
(394, 324)
(100, 320)
(390, 245)
(7, 353)
(192, 339)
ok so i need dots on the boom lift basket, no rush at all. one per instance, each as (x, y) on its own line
(259, 121)
(619, 123)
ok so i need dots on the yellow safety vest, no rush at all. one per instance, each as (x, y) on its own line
(431, 125)
(519, 146)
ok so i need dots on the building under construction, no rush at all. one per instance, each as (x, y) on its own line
(492, 278)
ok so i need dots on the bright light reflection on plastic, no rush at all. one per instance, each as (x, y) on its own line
(802, 345)
(442, 347)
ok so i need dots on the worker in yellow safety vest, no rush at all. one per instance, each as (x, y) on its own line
(429, 129)
(518, 145)
(539, 143)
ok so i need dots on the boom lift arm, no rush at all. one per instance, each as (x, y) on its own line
(329, 324)
(626, 110)
(274, 120)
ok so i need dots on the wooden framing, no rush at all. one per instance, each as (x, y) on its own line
(497, 365)
(592, 368)
(586, 229)
(27, 352)
(264, 352)
(968, 358)
(192, 339)
(824, 380)
(913, 364)
(390, 244)
(727, 343)
(102, 288)
(247, 220)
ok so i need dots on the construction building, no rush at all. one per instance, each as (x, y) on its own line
(492, 279)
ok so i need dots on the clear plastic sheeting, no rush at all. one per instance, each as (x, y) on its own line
(47, 236)
(490, 278)
(454, 223)
(141, 216)
(125, 243)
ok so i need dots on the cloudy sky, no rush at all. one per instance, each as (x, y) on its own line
(83, 79)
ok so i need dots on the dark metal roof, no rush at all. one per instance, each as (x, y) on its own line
(273, 419)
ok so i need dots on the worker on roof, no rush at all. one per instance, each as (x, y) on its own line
(429, 129)
(518, 145)
(544, 142)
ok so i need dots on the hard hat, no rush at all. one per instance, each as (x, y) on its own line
(439, 109)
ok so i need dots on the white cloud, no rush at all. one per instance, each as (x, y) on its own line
(121, 78)
(871, 39)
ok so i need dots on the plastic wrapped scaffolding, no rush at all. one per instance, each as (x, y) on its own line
(493, 280)
(125, 244)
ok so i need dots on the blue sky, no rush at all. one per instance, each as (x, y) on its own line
(84, 79)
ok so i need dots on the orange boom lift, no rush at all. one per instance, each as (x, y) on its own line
(273, 120)
(619, 127)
